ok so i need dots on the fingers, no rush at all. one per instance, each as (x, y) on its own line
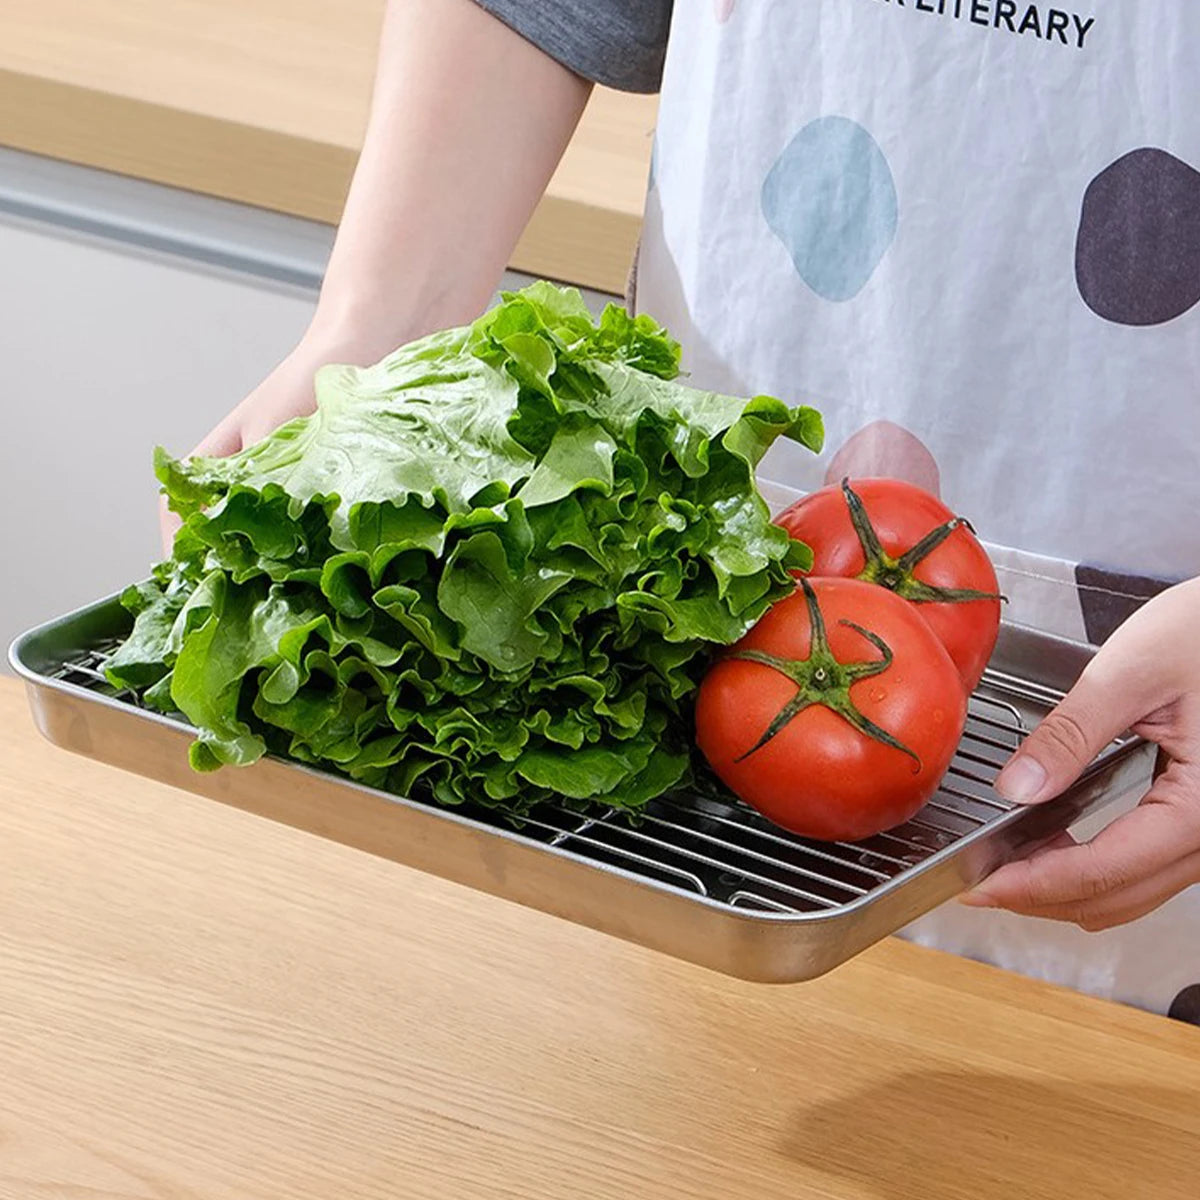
(225, 439)
(1144, 678)
(1054, 755)
(1126, 904)
(1129, 868)
(286, 393)
(1148, 666)
(1078, 874)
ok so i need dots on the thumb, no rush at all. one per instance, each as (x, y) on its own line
(1054, 755)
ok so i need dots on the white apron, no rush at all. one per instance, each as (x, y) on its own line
(968, 231)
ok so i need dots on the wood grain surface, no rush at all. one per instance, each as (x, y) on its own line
(265, 102)
(197, 1003)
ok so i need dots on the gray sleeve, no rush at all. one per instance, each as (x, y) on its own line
(619, 43)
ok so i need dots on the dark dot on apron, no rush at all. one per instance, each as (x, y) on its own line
(1108, 598)
(1137, 254)
(1186, 1006)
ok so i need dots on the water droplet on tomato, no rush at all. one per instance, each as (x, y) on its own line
(878, 694)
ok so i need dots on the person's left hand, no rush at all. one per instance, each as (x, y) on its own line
(1145, 678)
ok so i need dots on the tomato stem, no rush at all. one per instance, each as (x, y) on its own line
(823, 679)
(896, 574)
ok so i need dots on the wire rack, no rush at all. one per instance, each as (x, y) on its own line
(721, 849)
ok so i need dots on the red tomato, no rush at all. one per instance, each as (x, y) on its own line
(893, 533)
(837, 715)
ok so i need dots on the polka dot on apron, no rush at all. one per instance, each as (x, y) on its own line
(1137, 253)
(831, 200)
(1107, 599)
(1186, 1006)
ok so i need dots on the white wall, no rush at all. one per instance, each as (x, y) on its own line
(130, 315)
(105, 353)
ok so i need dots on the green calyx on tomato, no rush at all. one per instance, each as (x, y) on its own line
(822, 679)
(897, 574)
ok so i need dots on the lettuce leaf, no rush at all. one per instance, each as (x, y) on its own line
(488, 569)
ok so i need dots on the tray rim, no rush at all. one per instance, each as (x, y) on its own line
(18, 653)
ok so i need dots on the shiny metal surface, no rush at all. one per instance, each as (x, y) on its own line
(699, 878)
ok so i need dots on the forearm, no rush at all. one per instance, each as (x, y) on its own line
(468, 122)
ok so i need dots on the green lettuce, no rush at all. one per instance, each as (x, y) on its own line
(490, 568)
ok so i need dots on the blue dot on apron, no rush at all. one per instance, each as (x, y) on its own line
(1137, 253)
(831, 200)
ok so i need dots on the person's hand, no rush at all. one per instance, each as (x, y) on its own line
(1145, 678)
(286, 393)
(468, 123)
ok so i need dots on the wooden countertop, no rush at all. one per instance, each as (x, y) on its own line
(197, 1003)
(265, 101)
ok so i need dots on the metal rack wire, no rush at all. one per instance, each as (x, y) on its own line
(723, 850)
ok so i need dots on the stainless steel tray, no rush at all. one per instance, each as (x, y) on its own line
(701, 879)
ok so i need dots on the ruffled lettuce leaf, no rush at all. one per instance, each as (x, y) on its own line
(488, 569)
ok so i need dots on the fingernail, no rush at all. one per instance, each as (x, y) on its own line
(1022, 781)
(977, 898)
